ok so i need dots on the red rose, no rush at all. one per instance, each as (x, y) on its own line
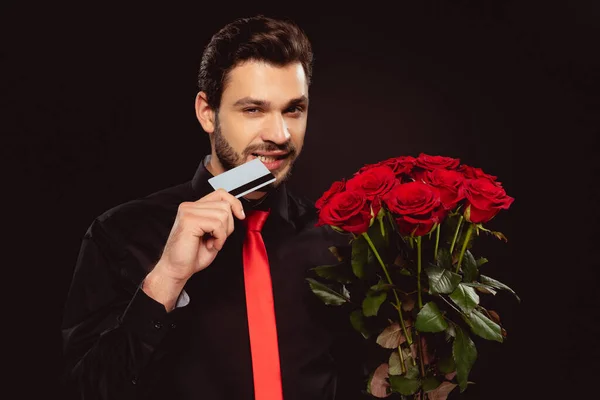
(426, 162)
(416, 206)
(336, 187)
(484, 199)
(375, 181)
(429, 162)
(347, 210)
(449, 183)
(474, 173)
(400, 165)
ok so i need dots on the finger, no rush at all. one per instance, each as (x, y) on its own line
(212, 209)
(221, 194)
(214, 230)
(209, 241)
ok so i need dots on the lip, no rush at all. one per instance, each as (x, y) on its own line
(271, 166)
(271, 154)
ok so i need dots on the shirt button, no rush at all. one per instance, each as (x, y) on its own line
(173, 325)
(157, 324)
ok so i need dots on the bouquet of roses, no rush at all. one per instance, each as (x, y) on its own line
(409, 274)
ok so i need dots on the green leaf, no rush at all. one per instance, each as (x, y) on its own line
(327, 294)
(381, 286)
(395, 365)
(372, 302)
(481, 261)
(442, 280)
(430, 319)
(430, 383)
(357, 319)
(446, 365)
(484, 327)
(486, 280)
(450, 333)
(481, 287)
(465, 297)
(412, 371)
(464, 353)
(340, 272)
(444, 258)
(360, 253)
(469, 267)
(403, 385)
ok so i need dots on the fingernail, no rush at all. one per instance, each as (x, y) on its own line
(243, 213)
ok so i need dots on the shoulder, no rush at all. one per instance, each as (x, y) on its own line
(139, 219)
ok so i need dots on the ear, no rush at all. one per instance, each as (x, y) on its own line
(204, 113)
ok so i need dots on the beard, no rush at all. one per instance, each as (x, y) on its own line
(229, 158)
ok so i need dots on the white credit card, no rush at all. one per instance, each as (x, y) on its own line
(243, 179)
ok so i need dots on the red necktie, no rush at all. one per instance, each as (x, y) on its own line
(261, 312)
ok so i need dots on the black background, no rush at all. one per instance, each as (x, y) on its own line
(97, 106)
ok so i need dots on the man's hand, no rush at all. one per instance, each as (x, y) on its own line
(198, 234)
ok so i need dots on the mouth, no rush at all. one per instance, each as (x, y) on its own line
(272, 161)
(270, 157)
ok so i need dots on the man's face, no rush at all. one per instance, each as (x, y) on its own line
(263, 113)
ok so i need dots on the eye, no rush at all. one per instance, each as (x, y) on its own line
(295, 111)
(251, 110)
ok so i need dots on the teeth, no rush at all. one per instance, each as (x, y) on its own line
(266, 159)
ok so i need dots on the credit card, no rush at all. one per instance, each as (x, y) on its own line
(243, 179)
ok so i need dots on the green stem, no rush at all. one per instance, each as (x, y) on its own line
(419, 272)
(437, 242)
(387, 275)
(464, 246)
(402, 366)
(456, 234)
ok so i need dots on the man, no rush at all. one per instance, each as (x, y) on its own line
(160, 306)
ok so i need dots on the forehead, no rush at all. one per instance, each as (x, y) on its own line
(260, 80)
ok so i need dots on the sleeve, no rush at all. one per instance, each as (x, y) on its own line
(111, 329)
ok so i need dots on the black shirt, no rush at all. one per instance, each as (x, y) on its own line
(121, 344)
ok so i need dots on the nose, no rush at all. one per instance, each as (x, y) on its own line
(277, 131)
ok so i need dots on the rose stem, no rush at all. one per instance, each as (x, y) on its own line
(398, 302)
(456, 234)
(464, 246)
(420, 347)
(437, 241)
(419, 239)
(419, 272)
(402, 366)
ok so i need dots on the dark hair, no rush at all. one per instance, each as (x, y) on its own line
(259, 38)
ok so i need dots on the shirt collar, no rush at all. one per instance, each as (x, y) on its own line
(277, 198)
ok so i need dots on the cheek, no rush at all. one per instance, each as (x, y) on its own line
(239, 133)
(297, 133)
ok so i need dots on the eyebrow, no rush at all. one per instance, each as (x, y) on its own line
(249, 101)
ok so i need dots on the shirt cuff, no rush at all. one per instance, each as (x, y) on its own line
(183, 299)
(148, 319)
